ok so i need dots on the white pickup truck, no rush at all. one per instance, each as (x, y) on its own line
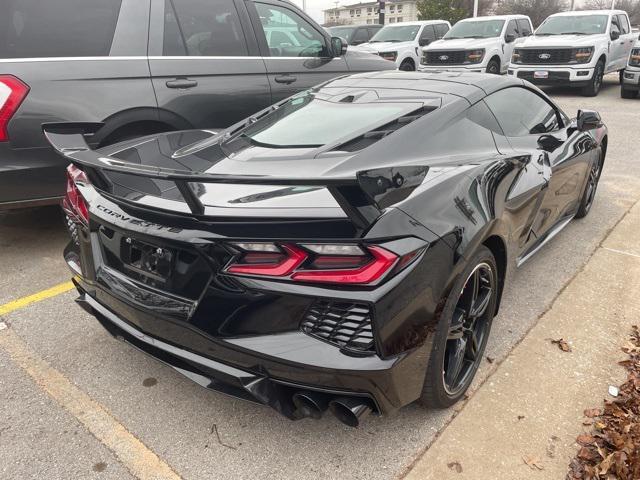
(402, 42)
(631, 78)
(481, 44)
(575, 49)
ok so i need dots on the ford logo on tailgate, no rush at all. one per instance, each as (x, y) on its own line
(544, 56)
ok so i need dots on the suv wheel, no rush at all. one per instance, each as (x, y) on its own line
(595, 83)
(462, 332)
(407, 65)
(493, 66)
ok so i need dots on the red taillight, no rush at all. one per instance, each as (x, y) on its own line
(74, 202)
(317, 263)
(12, 93)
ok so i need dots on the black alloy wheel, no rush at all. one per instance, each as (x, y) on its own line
(591, 188)
(595, 84)
(407, 66)
(493, 67)
(462, 333)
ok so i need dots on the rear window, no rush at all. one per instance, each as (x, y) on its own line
(307, 121)
(57, 28)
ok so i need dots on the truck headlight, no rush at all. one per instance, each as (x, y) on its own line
(582, 55)
(517, 56)
(474, 56)
(389, 55)
(634, 59)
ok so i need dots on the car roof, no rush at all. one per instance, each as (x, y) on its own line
(471, 86)
(418, 22)
(495, 17)
(588, 12)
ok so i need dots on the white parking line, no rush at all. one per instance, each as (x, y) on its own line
(130, 451)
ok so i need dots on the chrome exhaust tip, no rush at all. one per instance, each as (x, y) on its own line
(349, 411)
(310, 404)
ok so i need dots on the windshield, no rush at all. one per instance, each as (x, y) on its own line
(306, 121)
(343, 32)
(577, 25)
(405, 33)
(476, 29)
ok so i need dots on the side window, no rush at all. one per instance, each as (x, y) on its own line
(64, 28)
(512, 28)
(302, 39)
(360, 36)
(623, 24)
(441, 29)
(521, 112)
(525, 27)
(470, 131)
(615, 23)
(427, 36)
(201, 28)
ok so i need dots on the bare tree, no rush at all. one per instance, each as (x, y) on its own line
(632, 7)
(537, 10)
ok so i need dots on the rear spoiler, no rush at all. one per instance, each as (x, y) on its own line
(362, 196)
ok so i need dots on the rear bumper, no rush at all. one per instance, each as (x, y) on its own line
(268, 370)
(30, 177)
(567, 76)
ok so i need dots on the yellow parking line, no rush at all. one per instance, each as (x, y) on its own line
(134, 455)
(36, 297)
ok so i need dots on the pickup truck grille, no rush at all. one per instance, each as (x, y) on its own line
(546, 56)
(444, 57)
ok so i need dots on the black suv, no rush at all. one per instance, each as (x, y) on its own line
(146, 66)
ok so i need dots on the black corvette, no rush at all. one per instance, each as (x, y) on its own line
(345, 249)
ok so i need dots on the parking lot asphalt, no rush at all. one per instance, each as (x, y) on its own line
(200, 434)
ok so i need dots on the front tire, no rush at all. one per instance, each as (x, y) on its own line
(462, 332)
(627, 93)
(590, 188)
(595, 83)
(407, 65)
(493, 66)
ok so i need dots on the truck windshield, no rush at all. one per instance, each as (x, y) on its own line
(405, 33)
(475, 29)
(307, 121)
(574, 25)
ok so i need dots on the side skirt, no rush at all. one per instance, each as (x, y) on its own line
(544, 239)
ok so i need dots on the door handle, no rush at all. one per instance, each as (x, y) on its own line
(182, 83)
(286, 79)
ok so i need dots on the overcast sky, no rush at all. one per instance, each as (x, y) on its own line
(315, 7)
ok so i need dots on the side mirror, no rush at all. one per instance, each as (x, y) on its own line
(338, 46)
(423, 42)
(588, 120)
(549, 143)
(615, 34)
(509, 37)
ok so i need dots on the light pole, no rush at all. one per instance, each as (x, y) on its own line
(381, 12)
(475, 8)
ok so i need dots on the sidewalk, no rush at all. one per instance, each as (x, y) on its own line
(523, 422)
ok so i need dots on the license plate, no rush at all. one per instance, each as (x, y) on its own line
(541, 74)
(150, 260)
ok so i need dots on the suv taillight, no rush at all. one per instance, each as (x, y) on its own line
(12, 93)
(74, 203)
(317, 263)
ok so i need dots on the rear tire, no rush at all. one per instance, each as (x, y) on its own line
(626, 93)
(621, 73)
(460, 340)
(493, 66)
(407, 65)
(590, 188)
(595, 83)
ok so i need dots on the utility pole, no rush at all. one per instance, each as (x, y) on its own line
(613, 4)
(304, 6)
(475, 8)
(381, 12)
(573, 5)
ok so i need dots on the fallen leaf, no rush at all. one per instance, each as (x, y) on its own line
(532, 462)
(490, 359)
(455, 466)
(562, 344)
(585, 439)
(587, 453)
(592, 412)
(520, 417)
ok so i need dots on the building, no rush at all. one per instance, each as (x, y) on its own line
(367, 13)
